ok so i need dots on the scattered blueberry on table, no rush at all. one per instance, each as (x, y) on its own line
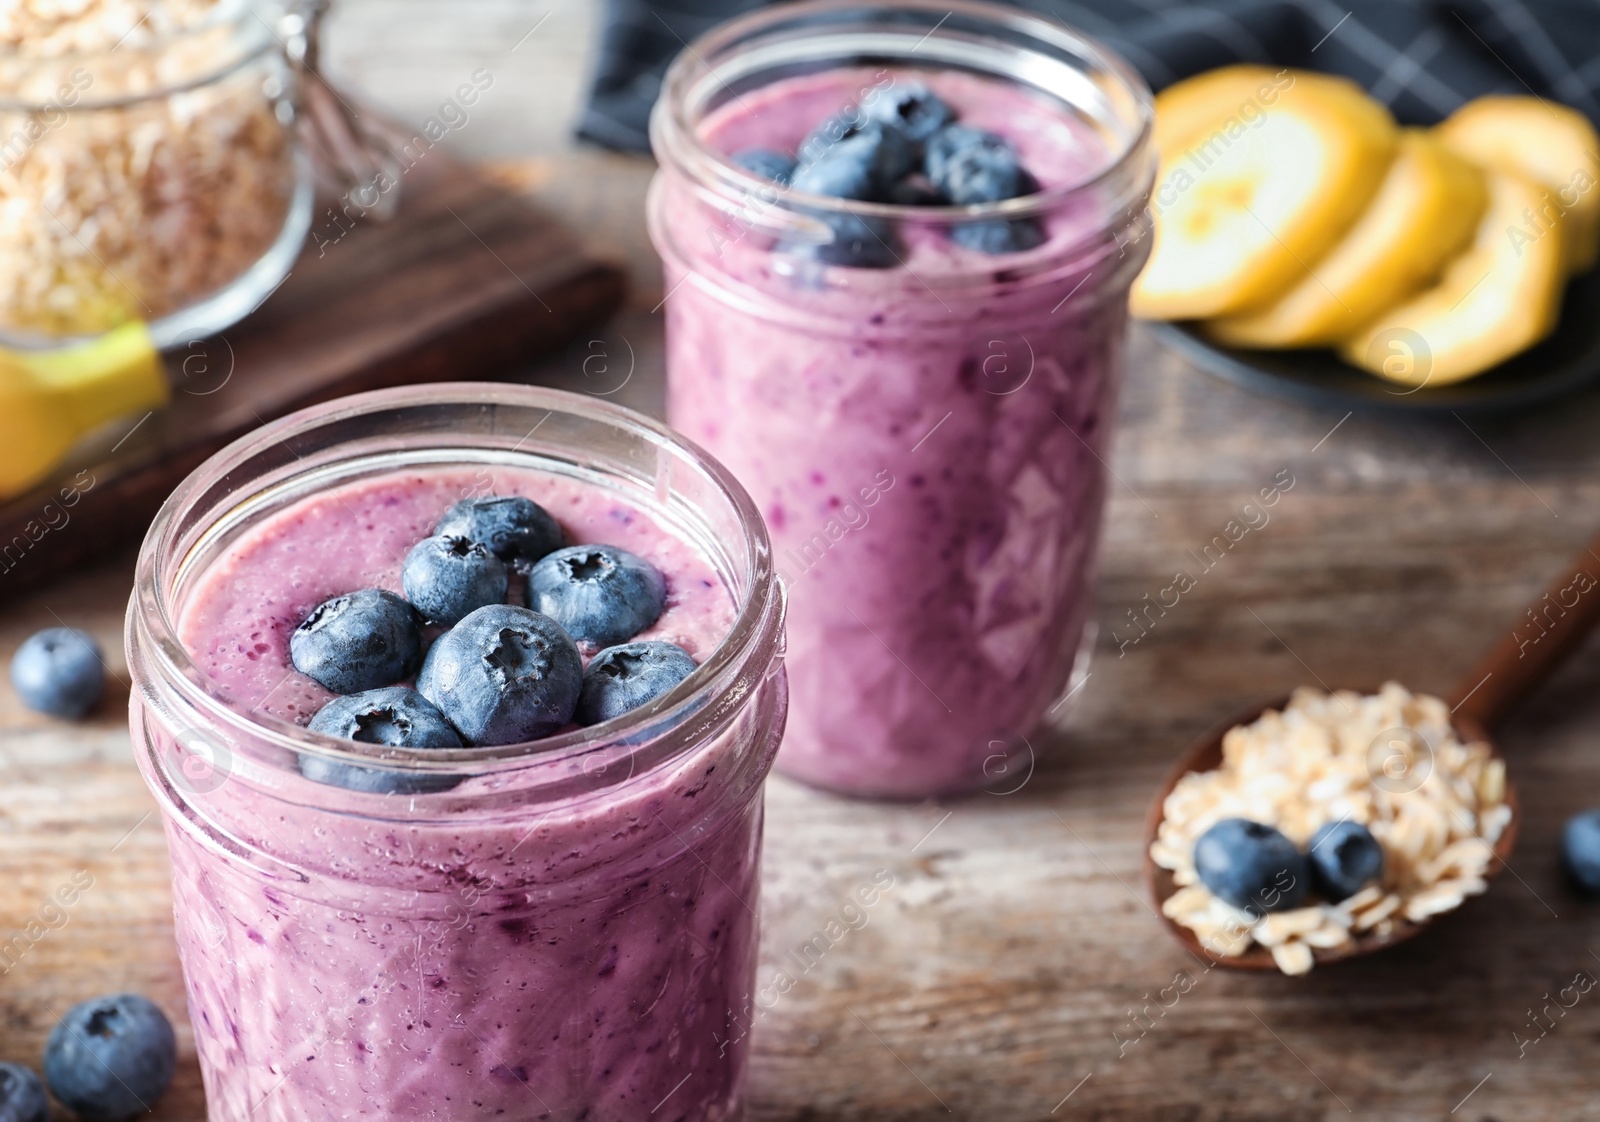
(22, 1095)
(446, 577)
(1580, 851)
(358, 641)
(622, 678)
(1345, 858)
(1252, 866)
(60, 672)
(111, 1058)
(905, 147)
(602, 595)
(504, 675)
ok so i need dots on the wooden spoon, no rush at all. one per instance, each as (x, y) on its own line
(1525, 657)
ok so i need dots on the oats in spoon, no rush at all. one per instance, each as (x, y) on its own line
(1390, 762)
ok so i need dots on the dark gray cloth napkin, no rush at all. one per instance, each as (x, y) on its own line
(1422, 59)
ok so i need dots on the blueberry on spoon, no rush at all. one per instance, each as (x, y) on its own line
(1344, 858)
(627, 676)
(600, 594)
(503, 675)
(111, 1058)
(22, 1095)
(1251, 866)
(515, 529)
(446, 577)
(59, 671)
(358, 642)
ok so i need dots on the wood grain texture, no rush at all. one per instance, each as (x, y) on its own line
(995, 978)
(467, 281)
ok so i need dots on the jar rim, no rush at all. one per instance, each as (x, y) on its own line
(238, 13)
(705, 703)
(675, 137)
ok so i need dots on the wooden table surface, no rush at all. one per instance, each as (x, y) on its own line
(996, 979)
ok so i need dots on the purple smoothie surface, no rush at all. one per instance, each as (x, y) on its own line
(238, 618)
(1058, 148)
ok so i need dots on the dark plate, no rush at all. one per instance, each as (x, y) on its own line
(1568, 360)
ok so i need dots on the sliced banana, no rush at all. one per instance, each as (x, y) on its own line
(1552, 145)
(1424, 212)
(1495, 300)
(1243, 211)
(1207, 102)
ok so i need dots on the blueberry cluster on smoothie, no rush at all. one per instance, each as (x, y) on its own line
(902, 145)
(518, 610)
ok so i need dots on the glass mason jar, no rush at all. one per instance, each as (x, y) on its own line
(559, 930)
(922, 415)
(149, 170)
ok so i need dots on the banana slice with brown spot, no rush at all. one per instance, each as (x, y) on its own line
(1424, 213)
(1550, 144)
(1497, 299)
(1243, 212)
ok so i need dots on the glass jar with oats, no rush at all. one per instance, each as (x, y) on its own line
(149, 167)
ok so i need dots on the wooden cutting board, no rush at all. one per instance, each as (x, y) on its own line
(468, 282)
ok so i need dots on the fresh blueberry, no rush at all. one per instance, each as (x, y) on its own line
(1251, 866)
(863, 165)
(767, 164)
(396, 717)
(915, 190)
(625, 677)
(504, 674)
(513, 528)
(358, 642)
(1580, 850)
(21, 1095)
(999, 236)
(830, 132)
(972, 166)
(1344, 858)
(59, 671)
(446, 577)
(914, 108)
(599, 593)
(858, 242)
(111, 1058)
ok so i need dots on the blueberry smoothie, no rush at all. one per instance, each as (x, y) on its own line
(920, 406)
(551, 922)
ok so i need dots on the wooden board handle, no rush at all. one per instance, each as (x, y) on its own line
(1536, 645)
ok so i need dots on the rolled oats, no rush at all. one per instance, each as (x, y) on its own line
(1390, 761)
(1293, 958)
(143, 174)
